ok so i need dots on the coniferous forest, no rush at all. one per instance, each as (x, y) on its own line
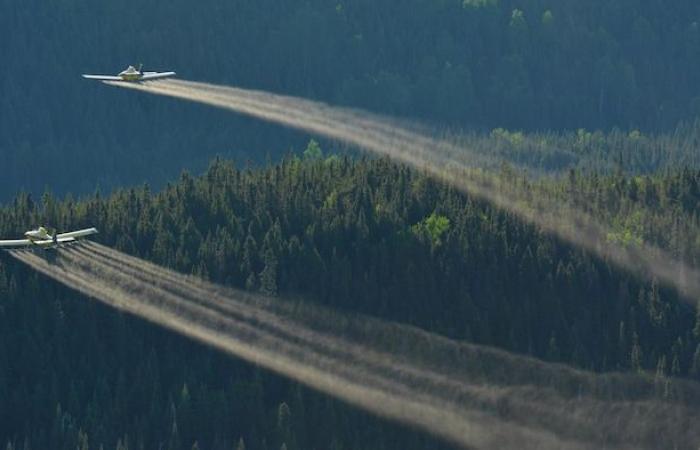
(591, 104)
(363, 236)
(474, 65)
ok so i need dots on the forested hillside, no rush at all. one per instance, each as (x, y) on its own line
(471, 64)
(364, 236)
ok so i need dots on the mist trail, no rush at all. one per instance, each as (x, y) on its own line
(386, 397)
(443, 389)
(442, 159)
(321, 322)
(488, 399)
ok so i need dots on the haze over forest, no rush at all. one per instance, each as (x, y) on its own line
(561, 107)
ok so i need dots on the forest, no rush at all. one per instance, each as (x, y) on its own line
(588, 106)
(356, 235)
(479, 65)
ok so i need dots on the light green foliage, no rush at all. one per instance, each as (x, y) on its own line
(514, 138)
(583, 137)
(478, 3)
(636, 135)
(331, 200)
(332, 159)
(517, 19)
(313, 151)
(625, 237)
(628, 230)
(433, 226)
(547, 17)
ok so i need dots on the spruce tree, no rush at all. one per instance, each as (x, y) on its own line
(695, 368)
(636, 354)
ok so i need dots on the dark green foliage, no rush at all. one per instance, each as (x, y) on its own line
(365, 236)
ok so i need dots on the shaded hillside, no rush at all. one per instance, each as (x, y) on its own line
(365, 236)
(532, 65)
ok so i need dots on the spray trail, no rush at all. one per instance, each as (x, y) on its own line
(469, 395)
(409, 342)
(382, 396)
(442, 159)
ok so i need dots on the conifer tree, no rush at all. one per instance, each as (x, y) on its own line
(284, 424)
(636, 354)
(268, 277)
(695, 369)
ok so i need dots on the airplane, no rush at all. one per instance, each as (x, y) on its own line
(43, 239)
(132, 74)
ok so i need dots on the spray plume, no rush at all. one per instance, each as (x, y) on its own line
(469, 395)
(442, 159)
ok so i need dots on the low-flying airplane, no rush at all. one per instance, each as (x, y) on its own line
(43, 239)
(132, 74)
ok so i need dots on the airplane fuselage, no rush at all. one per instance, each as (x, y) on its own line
(131, 76)
(40, 237)
(40, 234)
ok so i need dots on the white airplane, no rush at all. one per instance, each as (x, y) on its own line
(132, 74)
(42, 238)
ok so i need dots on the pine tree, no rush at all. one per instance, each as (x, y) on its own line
(553, 349)
(251, 282)
(656, 308)
(313, 151)
(660, 379)
(636, 354)
(268, 277)
(622, 346)
(695, 368)
(299, 419)
(676, 352)
(284, 431)
(83, 441)
(57, 427)
(174, 440)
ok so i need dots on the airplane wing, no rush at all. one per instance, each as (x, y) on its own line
(51, 243)
(102, 77)
(156, 75)
(76, 234)
(16, 244)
